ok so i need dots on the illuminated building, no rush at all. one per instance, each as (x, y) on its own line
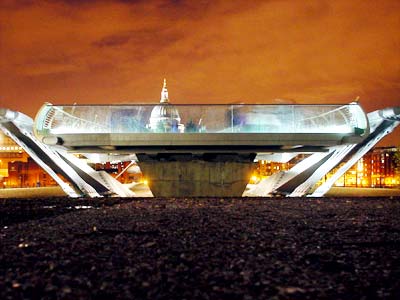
(17, 169)
(378, 168)
(266, 168)
(27, 174)
(9, 152)
(123, 171)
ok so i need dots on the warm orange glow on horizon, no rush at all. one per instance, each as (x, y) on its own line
(210, 51)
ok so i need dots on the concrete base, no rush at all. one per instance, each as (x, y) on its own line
(185, 175)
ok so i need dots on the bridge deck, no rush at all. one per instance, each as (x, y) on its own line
(166, 126)
(104, 142)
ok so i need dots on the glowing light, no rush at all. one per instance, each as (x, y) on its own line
(254, 179)
(360, 166)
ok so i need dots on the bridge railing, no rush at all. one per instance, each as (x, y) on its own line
(204, 118)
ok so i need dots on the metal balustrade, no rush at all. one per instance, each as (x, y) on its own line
(240, 118)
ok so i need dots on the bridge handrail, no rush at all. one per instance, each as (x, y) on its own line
(238, 118)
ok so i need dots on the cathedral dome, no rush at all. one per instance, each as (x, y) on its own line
(164, 110)
(164, 116)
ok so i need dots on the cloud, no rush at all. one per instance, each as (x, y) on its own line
(113, 40)
(210, 51)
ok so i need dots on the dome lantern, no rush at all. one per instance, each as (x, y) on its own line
(164, 93)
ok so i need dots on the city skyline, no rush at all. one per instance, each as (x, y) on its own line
(210, 51)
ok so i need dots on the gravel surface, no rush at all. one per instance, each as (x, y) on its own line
(201, 248)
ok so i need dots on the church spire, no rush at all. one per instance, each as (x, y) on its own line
(164, 93)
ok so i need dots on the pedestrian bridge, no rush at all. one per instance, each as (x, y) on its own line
(167, 127)
(198, 150)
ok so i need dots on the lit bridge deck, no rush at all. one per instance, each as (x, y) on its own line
(197, 128)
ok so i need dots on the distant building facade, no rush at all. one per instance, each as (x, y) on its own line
(380, 168)
(9, 152)
(266, 168)
(27, 174)
(126, 172)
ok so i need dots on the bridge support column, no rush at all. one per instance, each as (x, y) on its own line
(206, 175)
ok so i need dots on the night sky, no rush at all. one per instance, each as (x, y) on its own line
(210, 52)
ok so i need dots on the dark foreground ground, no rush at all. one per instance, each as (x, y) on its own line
(200, 248)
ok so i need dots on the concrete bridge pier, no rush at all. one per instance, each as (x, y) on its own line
(197, 175)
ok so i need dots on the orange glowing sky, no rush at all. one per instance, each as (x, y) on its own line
(211, 51)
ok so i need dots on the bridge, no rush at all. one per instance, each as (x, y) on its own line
(199, 150)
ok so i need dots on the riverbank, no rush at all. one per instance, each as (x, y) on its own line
(143, 191)
(200, 248)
